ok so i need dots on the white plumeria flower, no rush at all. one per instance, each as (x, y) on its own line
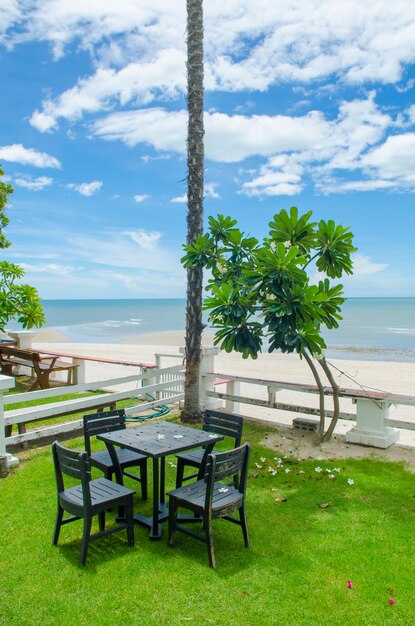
(223, 490)
(221, 267)
(270, 469)
(336, 469)
(178, 436)
(350, 481)
(212, 436)
(321, 355)
(160, 436)
(262, 459)
(301, 472)
(287, 471)
(287, 244)
(318, 470)
(257, 465)
(332, 476)
(273, 246)
(273, 473)
(271, 296)
(172, 464)
(329, 471)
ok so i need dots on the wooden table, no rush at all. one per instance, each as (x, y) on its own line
(156, 440)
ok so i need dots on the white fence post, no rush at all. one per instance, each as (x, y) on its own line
(207, 366)
(6, 383)
(370, 429)
(233, 388)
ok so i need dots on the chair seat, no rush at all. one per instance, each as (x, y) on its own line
(102, 491)
(193, 496)
(193, 456)
(126, 458)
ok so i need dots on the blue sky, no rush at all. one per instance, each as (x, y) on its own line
(308, 103)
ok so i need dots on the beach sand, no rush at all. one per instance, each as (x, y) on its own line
(394, 377)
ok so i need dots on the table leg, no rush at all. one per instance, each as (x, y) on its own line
(155, 531)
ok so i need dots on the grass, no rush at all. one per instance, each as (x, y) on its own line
(296, 572)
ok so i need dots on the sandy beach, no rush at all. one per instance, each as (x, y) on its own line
(394, 377)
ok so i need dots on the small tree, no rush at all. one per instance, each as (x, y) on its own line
(16, 301)
(264, 290)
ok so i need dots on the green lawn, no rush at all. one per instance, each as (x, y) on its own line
(296, 572)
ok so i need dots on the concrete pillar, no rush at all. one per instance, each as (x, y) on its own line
(22, 338)
(207, 365)
(6, 383)
(233, 388)
(370, 429)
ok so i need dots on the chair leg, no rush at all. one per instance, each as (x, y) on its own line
(143, 476)
(129, 520)
(179, 473)
(85, 539)
(207, 523)
(242, 516)
(172, 521)
(101, 521)
(58, 524)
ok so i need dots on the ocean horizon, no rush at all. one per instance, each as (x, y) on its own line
(372, 328)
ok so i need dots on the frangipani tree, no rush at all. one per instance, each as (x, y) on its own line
(17, 301)
(263, 291)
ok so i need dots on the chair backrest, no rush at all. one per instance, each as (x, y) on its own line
(224, 424)
(227, 464)
(103, 422)
(72, 463)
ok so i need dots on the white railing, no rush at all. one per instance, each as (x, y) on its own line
(159, 383)
(374, 427)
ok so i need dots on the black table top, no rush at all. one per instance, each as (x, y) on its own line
(159, 439)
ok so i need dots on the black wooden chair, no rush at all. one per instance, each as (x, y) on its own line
(105, 422)
(214, 422)
(209, 498)
(88, 498)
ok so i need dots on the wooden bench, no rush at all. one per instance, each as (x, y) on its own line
(42, 365)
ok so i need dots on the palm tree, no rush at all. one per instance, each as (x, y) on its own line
(195, 165)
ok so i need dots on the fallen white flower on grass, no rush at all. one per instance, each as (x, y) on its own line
(262, 459)
(318, 470)
(336, 469)
(350, 481)
(287, 471)
(258, 466)
(332, 476)
(301, 472)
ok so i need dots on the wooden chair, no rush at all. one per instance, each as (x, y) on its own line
(209, 498)
(215, 422)
(89, 498)
(105, 422)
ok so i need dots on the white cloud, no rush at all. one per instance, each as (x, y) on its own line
(249, 45)
(34, 184)
(210, 191)
(180, 199)
(141, 197)
(17, 153)
(364, 266)
(394, 159)
(145, 239)
(86, 189)
(49, 268)
(137, 82)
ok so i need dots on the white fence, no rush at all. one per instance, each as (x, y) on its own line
(160, 382)
(374, 427)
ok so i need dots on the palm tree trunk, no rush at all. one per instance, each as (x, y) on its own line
(195, 171)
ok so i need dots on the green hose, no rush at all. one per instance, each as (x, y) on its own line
(159, 412)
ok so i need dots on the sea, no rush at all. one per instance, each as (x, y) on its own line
(371, 329)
